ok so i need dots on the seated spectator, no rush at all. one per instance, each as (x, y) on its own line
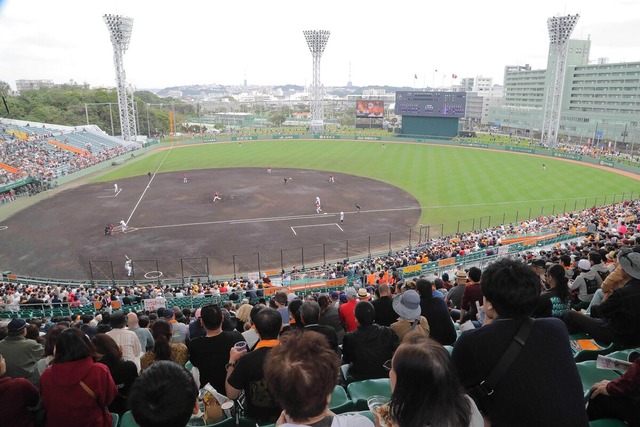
(123, 372)
(544, 366)
(76, 385)
(385, 314)
(49, 345)
(407, 305)
(618, 398)
(558, 294)
(441, 327)
(163, 348)
(16, 395)
(329, 314)
(425, 388)
(165, 395)
(309, 315)
(245, 371)
(369, 346)
(251, 335)
(586, 284)
(20, 354)
(144, 335)
(301, 374)
(472, 294)
(618, 318)
(210, 353)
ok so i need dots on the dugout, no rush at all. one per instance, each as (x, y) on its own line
(430, 126)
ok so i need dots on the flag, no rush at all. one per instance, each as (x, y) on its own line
(453, 76)
(415, 76)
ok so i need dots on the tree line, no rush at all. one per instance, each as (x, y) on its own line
(69, 105)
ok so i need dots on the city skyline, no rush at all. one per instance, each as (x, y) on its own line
(224, 43)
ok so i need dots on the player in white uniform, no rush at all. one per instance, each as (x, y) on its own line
(341, 216)
(115, 188)
(128, 267)
(124, 225)
(318, 208)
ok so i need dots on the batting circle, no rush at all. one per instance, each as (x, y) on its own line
(3, 227)
(153, 275)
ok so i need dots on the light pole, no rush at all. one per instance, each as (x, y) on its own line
(120, 30)
(316, 40)
(86, 112)
(560, 29)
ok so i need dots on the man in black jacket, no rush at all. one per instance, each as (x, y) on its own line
(369, 346)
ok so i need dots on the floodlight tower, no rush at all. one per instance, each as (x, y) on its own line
(560, 29)
(316, 40)
(120, 30)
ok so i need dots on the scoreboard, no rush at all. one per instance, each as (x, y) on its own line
(431, 104)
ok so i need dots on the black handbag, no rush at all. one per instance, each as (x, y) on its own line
(480, 392)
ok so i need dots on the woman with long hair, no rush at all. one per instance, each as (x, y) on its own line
(425, 388)
(123, 372)
(76, 390)
(559, 293)
(163, 348)
(49, 344)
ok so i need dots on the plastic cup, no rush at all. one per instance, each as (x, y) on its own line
(240, 345)
(374, 402)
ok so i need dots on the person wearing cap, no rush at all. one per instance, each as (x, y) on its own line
(454, 296)
(586, 284)
(347, 311)
(407, 305)
(20, 354)
(363, 295)
(196, 329)
(618, 318)
(180, 330)
(472, 295)
(367, 347)
(544, 364)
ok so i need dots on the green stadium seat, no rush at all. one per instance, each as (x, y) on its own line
(583, 355)
(340, 402)
(116, 419)
(127, 420)
(360, 391)
(607, 422)
(589, 375)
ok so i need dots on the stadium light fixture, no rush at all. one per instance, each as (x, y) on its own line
(120, 28)
(560, 29)
(317, 41)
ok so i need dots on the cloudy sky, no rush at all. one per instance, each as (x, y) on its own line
(381, 42)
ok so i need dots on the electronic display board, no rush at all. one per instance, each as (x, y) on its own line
(368, 108)
(431, 104)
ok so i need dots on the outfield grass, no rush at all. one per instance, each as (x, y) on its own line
(458, 187)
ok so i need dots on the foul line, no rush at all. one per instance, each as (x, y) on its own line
(314, 225)
(149, 184)
(237, 221)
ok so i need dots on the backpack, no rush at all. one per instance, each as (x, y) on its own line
(592, 286)
(604, 274)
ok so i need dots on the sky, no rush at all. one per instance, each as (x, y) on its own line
(191, 42)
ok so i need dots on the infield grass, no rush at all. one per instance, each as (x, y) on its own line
(462, 188)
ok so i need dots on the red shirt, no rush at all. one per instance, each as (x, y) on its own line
(347, 313)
